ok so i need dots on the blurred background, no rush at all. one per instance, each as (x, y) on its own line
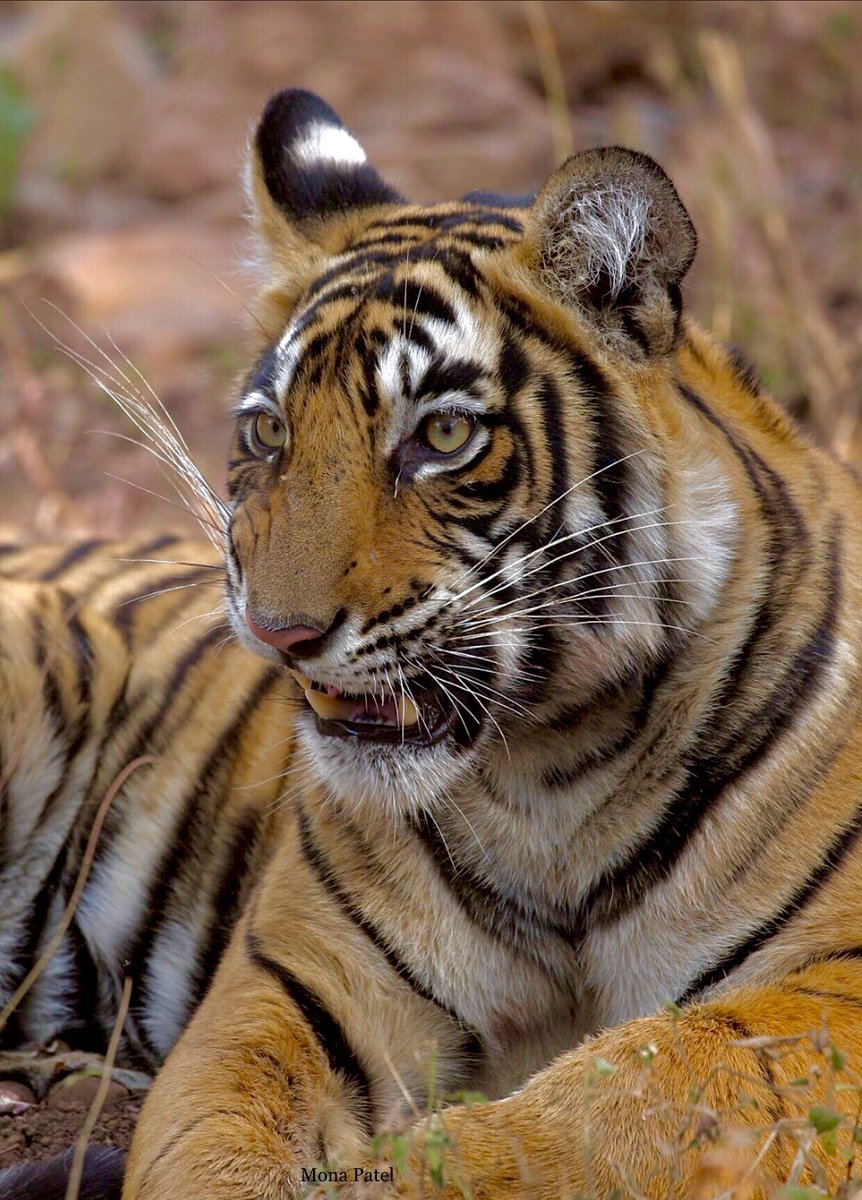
(122, 128)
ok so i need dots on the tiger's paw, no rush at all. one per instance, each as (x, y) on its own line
(480, 1152)
(56, 1075)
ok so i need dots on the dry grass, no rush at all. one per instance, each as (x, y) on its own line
(702, 1152)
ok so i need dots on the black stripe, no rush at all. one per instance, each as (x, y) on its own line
(440, 377)
(333, 1041)
(325, 875)
(366, 350)
(51, 696)
(741, 1033)
(262, 376)
(513, 366)
(745, 370)
(75, 554)
(88, 1031)
(405, 240)
(123, 615)
(832, 860)
(848, 953)
(190, 836)
(489, 491)
(451, 221)
(34, 931)
(420, 299)
(715, 765)
(228, 896)
(596, 394)
(160, 543)
(512, 920)
(829, 996)
(461, 269)
(554, 430)
(143, 742)
(735, 738)
(611, 479)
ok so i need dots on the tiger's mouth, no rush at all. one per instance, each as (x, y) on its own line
(421, 719)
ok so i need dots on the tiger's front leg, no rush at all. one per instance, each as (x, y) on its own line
(249, 1096)
(663, 1106)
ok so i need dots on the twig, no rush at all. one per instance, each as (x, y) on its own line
(75, 1175)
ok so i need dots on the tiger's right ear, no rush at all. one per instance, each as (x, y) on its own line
(308, 180)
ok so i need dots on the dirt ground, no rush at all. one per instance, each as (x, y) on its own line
(122, 128)
(42, 1132)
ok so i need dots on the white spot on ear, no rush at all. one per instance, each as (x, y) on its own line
(327, 143)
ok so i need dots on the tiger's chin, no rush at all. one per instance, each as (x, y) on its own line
(385, 765)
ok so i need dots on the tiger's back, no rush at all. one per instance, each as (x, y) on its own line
(116, 653)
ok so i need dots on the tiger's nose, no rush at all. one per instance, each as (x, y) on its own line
(299, 640)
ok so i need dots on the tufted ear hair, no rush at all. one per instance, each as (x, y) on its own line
(609, 235)
(307, 178)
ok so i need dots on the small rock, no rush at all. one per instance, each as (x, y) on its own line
(15, 1098)
(57, 1047)
(77, 1090)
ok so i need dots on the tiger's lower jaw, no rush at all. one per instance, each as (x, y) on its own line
(419, 735)
(418, 720)
(383, 772)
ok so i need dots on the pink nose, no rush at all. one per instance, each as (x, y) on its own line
(293, 639)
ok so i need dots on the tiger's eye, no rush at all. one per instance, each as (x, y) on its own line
(447, 432)
(269, 431)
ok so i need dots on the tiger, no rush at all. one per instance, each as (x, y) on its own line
(501, 827)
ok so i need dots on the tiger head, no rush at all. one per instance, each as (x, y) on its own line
(454, 514)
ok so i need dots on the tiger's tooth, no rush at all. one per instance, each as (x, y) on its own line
(303, 680)
(407, 711)
(330, 708)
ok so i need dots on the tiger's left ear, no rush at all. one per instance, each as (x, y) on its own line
(609, 235)
(308, 180)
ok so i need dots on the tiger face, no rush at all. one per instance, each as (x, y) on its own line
(451, 516)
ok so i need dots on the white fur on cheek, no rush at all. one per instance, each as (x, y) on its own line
(327, 143)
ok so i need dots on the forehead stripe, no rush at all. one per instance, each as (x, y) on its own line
(422, 300)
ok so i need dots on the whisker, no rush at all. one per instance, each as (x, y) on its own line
(609, 591)
(484, 708)
(513, 707)
(569, 583)
(617, 533)
(562, 496)
(462, 655)
(545, 547)
(157, 495)
(200, 617)
(449, 799)
(172, 562)
(459, 710)
(233, 292)
(178, 587)
(165, 441)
